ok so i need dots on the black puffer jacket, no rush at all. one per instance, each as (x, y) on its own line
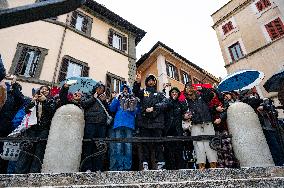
(93, 110)
(149, 97)
(174, 116)
(15, 100)
(200, 110)
(48, 110)
(2, 70)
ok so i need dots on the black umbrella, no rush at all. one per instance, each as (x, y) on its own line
(273, 84)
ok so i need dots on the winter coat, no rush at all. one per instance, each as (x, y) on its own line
(149, 97)
(124, 117)
(93, 110)
(213, 104)
(174, 116)
(2, 70)
(20, 114)
(48, 110)
(200, 110)
(14, 101)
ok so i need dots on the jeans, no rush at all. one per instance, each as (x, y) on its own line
(121, 153)
(93, 130)
(273, 142)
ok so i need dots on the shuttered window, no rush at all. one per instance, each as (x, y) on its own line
(28, 61)
(227, 27)
(117, 40)
(71, 67)
(275, 28)
(81, 22)
(172, 71)
(236, 51)
(185, 77)
(113, 83)
(262, 4)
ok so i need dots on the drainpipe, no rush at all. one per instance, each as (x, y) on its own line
(60, 50)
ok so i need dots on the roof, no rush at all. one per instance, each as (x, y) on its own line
(145, 56)
(103, 11)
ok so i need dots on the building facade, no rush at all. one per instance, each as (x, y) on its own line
(251, 36)
(91, 41)
(170, 67)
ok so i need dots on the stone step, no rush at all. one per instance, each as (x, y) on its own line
(256, 182)
(141, 178)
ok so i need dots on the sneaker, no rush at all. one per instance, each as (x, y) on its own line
(145, 166)
(88, 171)
(160, 165)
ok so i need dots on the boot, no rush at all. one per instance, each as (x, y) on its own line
(145, 166)
(213, 165)
(201, 166)
(160, 165)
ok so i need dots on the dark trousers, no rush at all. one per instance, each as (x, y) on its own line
(5, 129)
(30, 161)
(93, 130)
(173, 156)
(273, 142)
(149, 148)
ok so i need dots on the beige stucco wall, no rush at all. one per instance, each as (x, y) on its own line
(99, 58)
(48, 35)
(249, 31)
(264, 55)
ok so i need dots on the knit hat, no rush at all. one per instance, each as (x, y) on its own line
(150, 77)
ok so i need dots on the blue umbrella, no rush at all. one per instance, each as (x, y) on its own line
(82, 84)
(241, 80)
(273, 84)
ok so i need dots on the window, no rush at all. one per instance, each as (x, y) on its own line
(236, 51)
(275, 28)
(28, 61)
(262, 4)
(227, 27)
(72, 67)
(117, 40)
(81, 22)
(185, 77)
(113, 83)
(172, 71)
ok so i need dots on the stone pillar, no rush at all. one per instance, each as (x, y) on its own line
(64, 145)
(131, 59)
(248, 140)
(162, 71)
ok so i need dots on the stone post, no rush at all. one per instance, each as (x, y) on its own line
(248, 140)
(64, 145)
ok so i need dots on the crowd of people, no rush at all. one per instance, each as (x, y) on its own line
(139, 112)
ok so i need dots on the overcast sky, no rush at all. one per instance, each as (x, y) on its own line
(183, 25)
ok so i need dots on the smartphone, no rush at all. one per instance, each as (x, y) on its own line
(70, 82)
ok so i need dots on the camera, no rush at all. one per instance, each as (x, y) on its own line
(269, 107)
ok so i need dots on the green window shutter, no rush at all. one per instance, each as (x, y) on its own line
(63, 70)
(110, 37)
(124, 43)
(85, 71)
(73, 19)
(21, 62)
